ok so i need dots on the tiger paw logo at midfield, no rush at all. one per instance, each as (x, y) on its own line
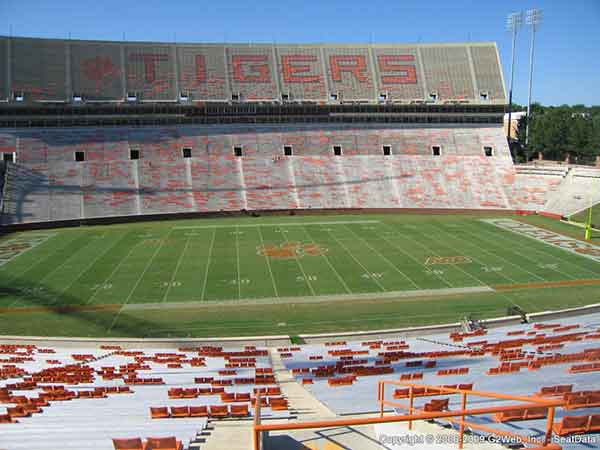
(291, 250)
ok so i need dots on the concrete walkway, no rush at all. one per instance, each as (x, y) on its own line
(305, 406)
(227, 435)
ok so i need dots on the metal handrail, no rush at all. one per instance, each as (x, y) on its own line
(456, 416)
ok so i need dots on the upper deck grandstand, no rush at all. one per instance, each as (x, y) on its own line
(71, 71)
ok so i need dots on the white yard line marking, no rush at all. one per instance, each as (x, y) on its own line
(478, 261)
(187, 243)
(39, 282)
(139, 280)
(100, 255)
(212, 243)
(437, 254)
(382, 256)
(38, 239)
(36, 262)
(457, 266)
(291, 224)
(447, 282)
(466, 273)
(492, 244)
(539, 251)
(354, 258)
(337, 274)
(262, 243)
(306, 280)
(115, 270)
(237, 254)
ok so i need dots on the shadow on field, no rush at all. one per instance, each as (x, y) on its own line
(39, 303)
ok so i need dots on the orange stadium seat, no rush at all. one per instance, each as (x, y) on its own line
(163, 443)
(572, 425)
(128, 444)
(161, 412)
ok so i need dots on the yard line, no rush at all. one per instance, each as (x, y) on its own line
(437, 254)
(390, 263)
(4, 262)
(466, 273)
(137, 283)
(212, 243)
(478, 261)
(501, 257)
(187, 243)
(502, 236)
(357, 261)
(117, 241)
(39, 282)
(290, 224)
(117, 267)
(262, 243)
(237, 254)
(457, 266)
(329, 263)
(306, 280)
(36, 262)
(415, 259)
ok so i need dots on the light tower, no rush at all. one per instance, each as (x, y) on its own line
(513, 23)
(533, 19)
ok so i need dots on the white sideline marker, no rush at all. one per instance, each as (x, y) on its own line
(291, 224)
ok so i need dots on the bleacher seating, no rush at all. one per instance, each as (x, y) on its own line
(530, 187)
(51, 185)
(342, 374)
(88, 396)
(447, 72)
(50, 69)
(580, 188)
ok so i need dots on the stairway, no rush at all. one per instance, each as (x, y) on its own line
(302, 403)
(225, 434)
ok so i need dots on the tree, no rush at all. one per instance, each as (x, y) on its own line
(557, 130)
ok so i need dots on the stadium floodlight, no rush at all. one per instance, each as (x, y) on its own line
(533, 19)
(513, 23)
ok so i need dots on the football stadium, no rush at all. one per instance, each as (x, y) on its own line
(287, 246)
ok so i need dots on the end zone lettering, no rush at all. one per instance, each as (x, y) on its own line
(548, 237)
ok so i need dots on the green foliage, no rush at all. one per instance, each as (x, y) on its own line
(296, 340)
(556, 131)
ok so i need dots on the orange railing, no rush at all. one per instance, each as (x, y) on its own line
(430, 391)
(261, 430)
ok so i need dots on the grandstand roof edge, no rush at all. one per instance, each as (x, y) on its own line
(263, 44)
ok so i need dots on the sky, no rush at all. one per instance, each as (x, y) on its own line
(567, 59)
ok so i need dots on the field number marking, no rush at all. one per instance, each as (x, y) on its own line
(491, 269)
(375, 275)
(302, 279)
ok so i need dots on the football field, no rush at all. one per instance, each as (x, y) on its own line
(175, 267)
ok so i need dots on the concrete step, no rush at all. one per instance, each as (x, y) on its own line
(230, 435)
(301, 401)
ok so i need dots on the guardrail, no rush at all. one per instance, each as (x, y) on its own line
(261, 430)
(430, 391)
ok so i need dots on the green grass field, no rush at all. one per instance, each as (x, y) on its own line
(269, 275)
